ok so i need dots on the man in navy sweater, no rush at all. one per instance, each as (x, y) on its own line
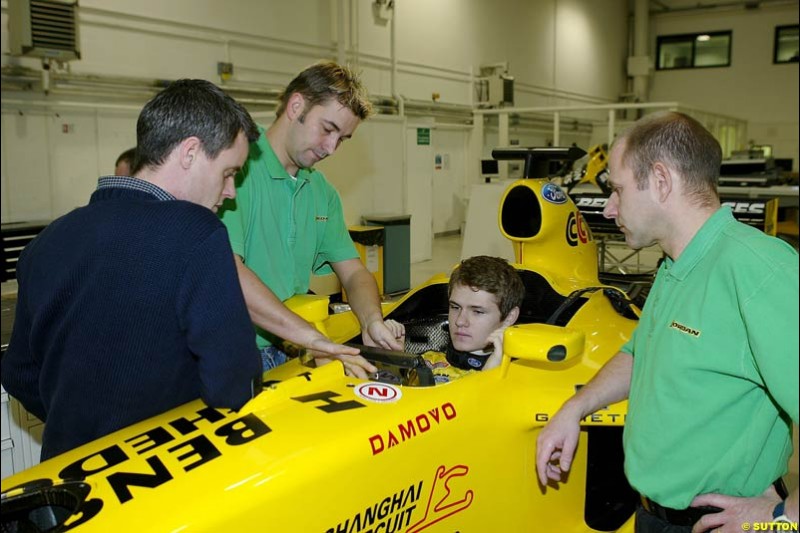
(131, 305)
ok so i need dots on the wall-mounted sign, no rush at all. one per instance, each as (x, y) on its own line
(423, 136)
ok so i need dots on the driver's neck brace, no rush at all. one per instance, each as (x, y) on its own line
(466, 360)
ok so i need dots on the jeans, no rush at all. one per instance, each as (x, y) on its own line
(271, 357)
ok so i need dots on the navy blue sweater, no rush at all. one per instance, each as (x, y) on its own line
(127, 307)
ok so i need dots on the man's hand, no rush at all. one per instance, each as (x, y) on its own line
(354, 365)
(555, 447)
(388, 334)
(362, 293)
(324, 347)
(735, 511)
(396, 328)
(325, 351)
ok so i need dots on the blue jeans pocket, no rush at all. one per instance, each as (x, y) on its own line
(271, 357)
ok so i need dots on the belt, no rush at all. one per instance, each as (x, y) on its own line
(677, 517)
(690, 515)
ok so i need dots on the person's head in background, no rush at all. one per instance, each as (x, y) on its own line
(125, 163)
(319, 109)
(485, 295)
(192, 139)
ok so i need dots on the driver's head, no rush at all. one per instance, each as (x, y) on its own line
(485, 294)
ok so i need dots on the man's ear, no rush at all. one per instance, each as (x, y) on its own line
(295, 106)
(188, 151)
(662, 181)
(511, 317)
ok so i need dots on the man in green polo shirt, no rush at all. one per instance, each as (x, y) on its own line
(287, 221)
(711, 372)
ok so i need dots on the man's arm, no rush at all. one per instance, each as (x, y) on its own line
(556, 444)
(362, 293)
(21, 380)
(792, 505)
(269, 313)
(213, 317)
(20, 370)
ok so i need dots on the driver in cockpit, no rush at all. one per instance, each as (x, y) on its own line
(485, 295)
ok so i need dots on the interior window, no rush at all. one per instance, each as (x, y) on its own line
(712, 52)
(786, 44)
(675, 54)
(695, 50)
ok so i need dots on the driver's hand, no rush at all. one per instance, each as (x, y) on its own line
(388, 334)
(495, 338)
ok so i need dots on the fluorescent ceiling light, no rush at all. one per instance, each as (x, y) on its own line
(703, 37)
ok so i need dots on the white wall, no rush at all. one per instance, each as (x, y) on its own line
(368, 170)
(419, 173)
(449, 196)
(51, 158)
(558, 51)
(752, 88)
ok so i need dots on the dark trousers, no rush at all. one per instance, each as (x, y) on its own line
(647, 523)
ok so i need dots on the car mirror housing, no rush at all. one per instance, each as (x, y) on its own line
(543, 343)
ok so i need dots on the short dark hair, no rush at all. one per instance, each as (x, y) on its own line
(679, 140)
(189, 108)
(493, 275)
(128, 156)
(325, 80)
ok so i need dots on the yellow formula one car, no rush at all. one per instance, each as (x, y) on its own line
(317, 451)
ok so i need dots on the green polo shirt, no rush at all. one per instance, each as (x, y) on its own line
(715, 374)
(285, 229)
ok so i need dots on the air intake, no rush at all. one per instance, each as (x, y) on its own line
(44, 28)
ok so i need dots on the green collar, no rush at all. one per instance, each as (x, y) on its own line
(708, 234)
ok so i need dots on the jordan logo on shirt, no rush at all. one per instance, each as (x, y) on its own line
(685, 329)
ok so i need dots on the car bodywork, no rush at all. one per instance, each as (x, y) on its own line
(319, 451)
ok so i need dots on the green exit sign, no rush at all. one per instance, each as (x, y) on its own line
(424, 136)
